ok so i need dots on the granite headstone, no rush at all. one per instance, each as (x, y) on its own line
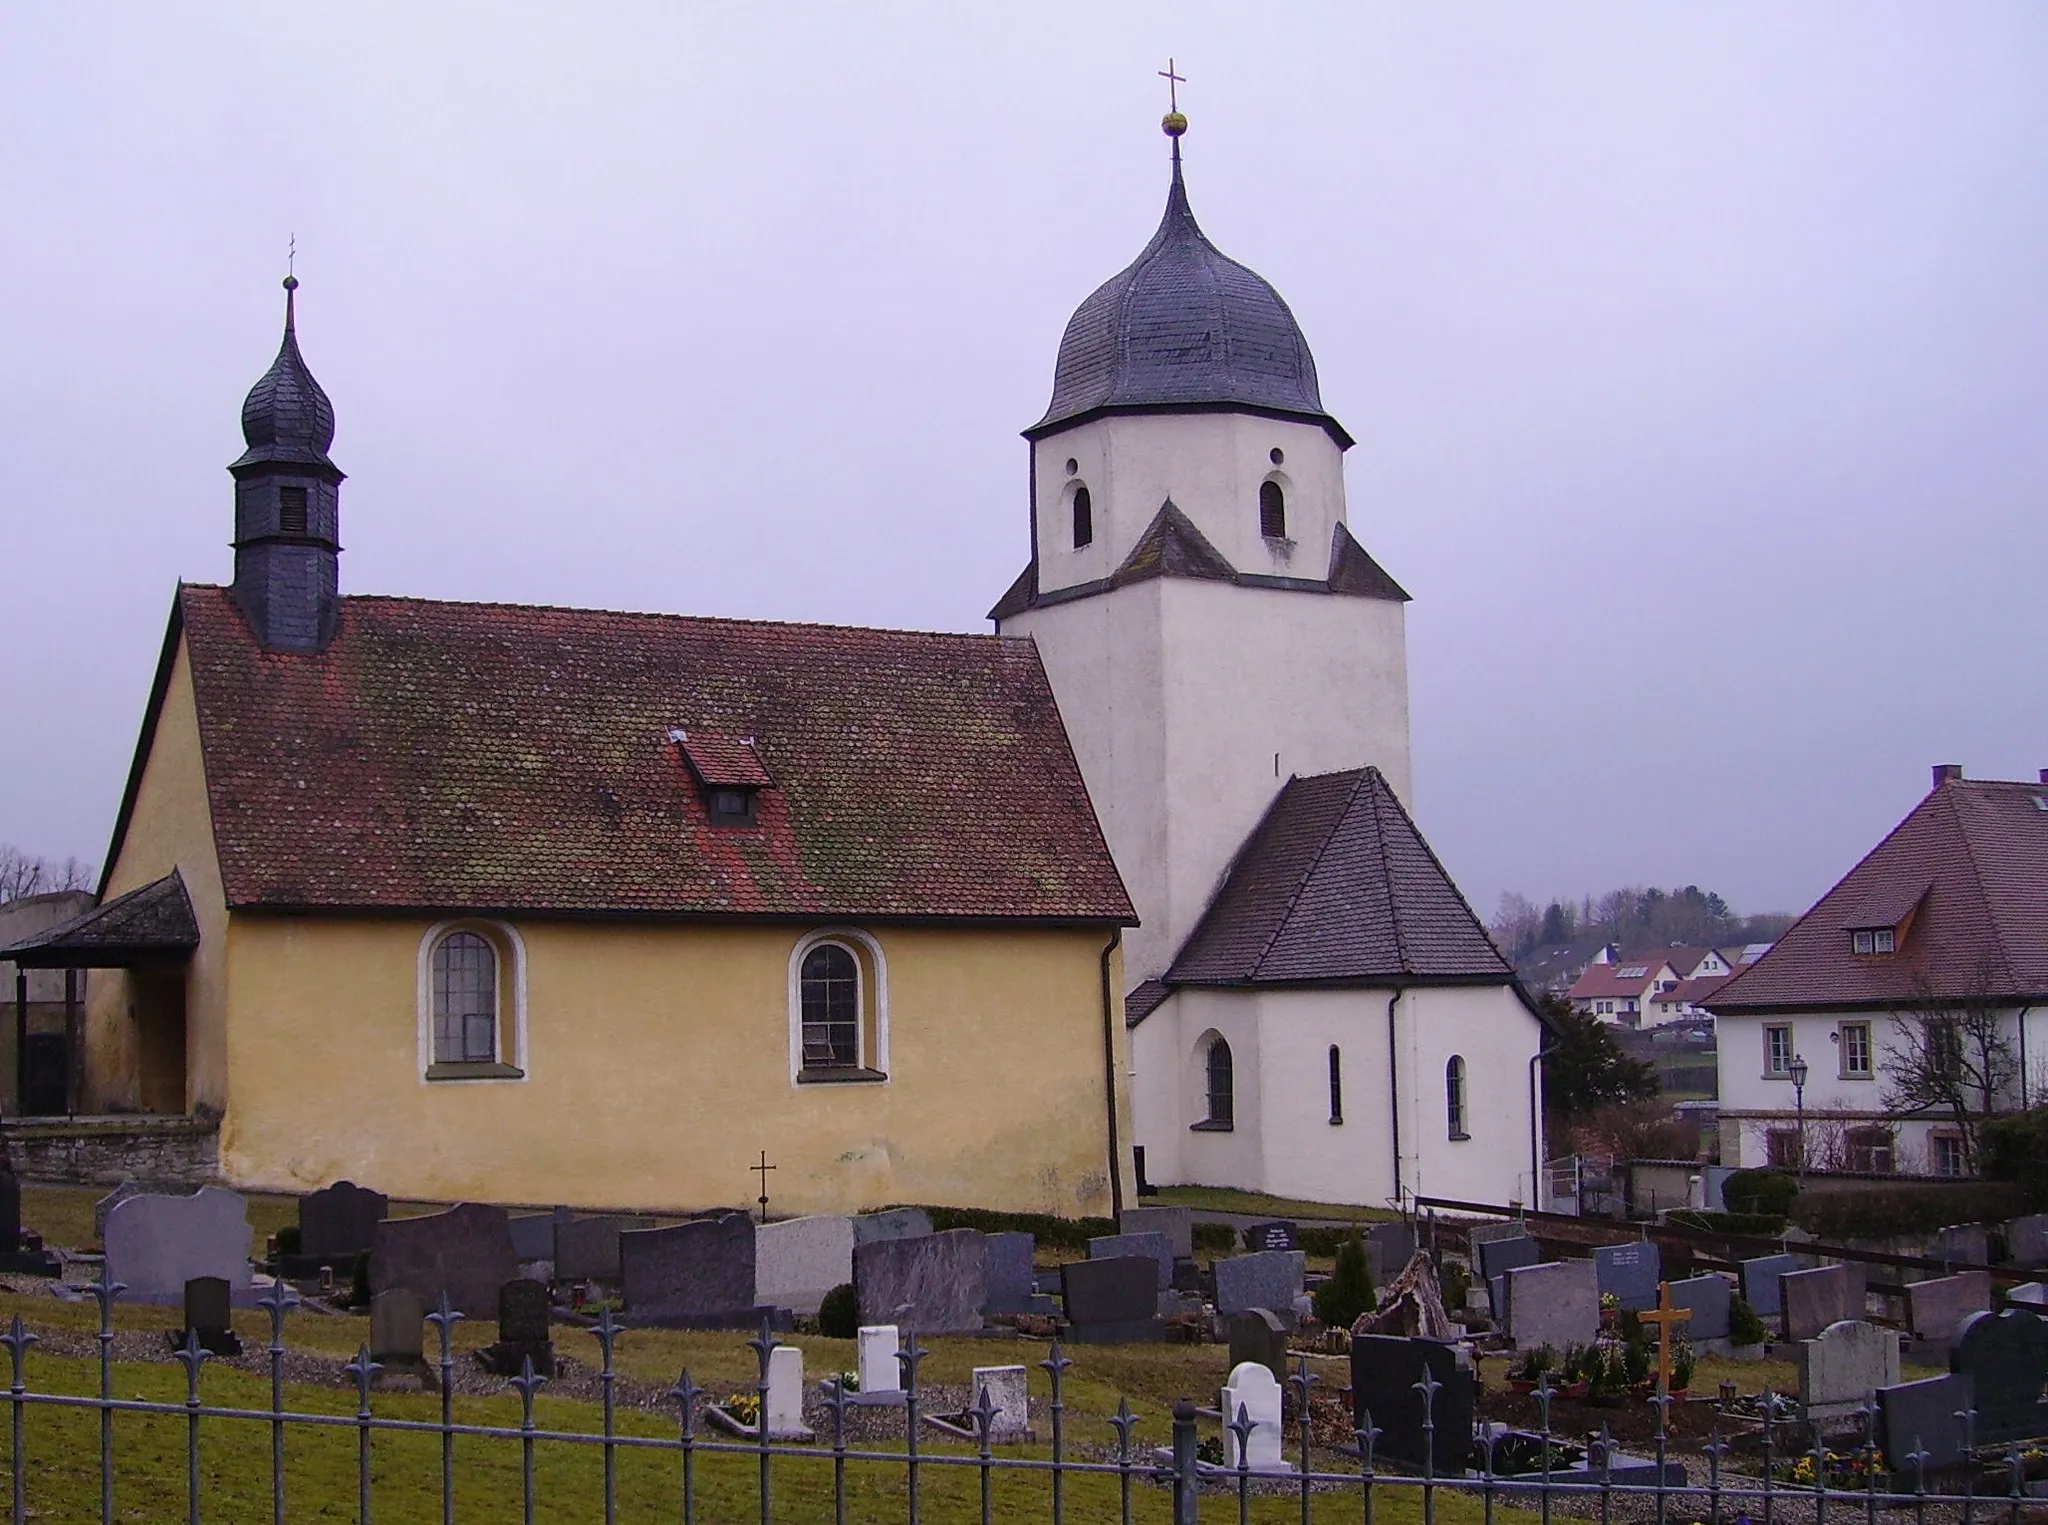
(1497, 1257)
(1176, 1223)
(1760, 1283)
(694, 1275)
(1554, 1303)
(338, 1222)
(1012, 1276)
(1280, 1234)
(523, 1330)
(1827, 1295)
(100, 1209)
(466, 1251)
(1111, 1302)
(207, 1318)
(1384, 1372)
(1844, 1366)
(1630, 1273)
(587, 1249)
(2026, 1241)
(1935, 1309)
(1117, 1246)
(1259, 1335)
(2006, 1355)
(1265, 1279)
(937, 1284)
(1925, 1416)
(398, 1328)
(891, 1223)
(1966, 1244)
(798, 1261)
(1711, 1299)
(157, 1244)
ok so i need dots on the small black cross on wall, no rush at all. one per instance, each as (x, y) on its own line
(762, 1170)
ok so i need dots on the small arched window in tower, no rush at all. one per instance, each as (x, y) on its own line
(1272, 511)
(1336, 1084)
(1084, 518)
(291, 510)
(465, 1000)
(1454, 1096)
(1222, 1085)
(830, 981)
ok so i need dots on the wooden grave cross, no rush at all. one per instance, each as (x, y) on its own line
(1665, 1317)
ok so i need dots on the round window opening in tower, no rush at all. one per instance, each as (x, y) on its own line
(1276, 455)
(1072, 465)
(1272, 511)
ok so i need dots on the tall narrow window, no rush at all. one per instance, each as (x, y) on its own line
(1084, 518)
(1272, 511)
(291, 510)
(1222, 1085)
(1454, 1096)
(831, 1002)
(465, 1000)
(1336, 1085)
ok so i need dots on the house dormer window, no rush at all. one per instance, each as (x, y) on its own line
(729, 774)
(1874, 940)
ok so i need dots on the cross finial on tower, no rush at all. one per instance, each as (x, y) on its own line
(1173, 82)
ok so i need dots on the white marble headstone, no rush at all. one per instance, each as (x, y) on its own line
(783, 1412)
(877, 1366)
(1252, 1388)
(1009, 1393)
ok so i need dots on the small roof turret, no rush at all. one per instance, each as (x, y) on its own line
(287, 419)
(1184, 327)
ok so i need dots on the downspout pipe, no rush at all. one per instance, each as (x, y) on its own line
(1394, 1090)
(2023, 1056)
(1536, 1117)
(1109, 1010)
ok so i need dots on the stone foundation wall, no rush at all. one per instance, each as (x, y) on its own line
(104, 1151)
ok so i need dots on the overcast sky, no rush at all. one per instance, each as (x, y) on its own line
(1696, 355)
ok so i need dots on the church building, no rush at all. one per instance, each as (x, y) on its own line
(536, 905)
(1315, 1011)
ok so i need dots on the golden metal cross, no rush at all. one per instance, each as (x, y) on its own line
(1173, 83)
(1664, 1318)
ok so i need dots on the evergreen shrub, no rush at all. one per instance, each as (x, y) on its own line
(1349, 1291)
(839, 1313)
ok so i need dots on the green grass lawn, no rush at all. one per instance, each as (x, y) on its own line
(1227, 1199)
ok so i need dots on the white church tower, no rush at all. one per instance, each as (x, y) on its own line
(1232, 668)
(1207, 618)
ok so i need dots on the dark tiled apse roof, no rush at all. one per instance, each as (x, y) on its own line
(445, 755)
(1337, 884)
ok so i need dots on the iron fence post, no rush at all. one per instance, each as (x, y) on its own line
(364, 1370)
(282, 1298)
(763, 1348)
(1368, 1434)
(835, 1400)
(984, 1412)
(1187, 1486)
(444, 1318)
(910, 1356)
(1056, 1365)
(192, 1358)
(686, 1393)
(1242, 1428)
(1125, 1421)
(528, 1384)
(606, 1332)
(18, 1341)
(1304, 1381)
(104, 1292)
(1769, 1407)
(1969, 1419)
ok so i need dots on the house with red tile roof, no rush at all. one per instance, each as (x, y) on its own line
(1619, 990)
(539, 905)
(1900, 1011)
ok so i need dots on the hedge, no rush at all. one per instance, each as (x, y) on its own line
(2016, 1152)
(1887, 1212)
(1760, 1193)
(1061, 1233)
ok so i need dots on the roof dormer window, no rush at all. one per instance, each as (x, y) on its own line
(728, 771)
(1874, 940)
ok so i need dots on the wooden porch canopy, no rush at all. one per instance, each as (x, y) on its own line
(153, 926)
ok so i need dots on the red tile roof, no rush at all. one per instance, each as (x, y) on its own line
(1691, 992)
(1337, 884)
(483, 756)
(732, 761)
(1973, 858)
(1609, 982)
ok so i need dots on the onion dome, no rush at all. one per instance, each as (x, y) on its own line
(287, 417)
(1184, 327)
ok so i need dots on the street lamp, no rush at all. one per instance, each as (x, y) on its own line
(1798, 1072)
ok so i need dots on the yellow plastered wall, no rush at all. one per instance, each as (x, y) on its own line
(171, 827)
(657, 1062)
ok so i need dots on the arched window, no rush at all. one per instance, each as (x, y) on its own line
(831, 1007)
(1222, 1086)
(1084, 518)
(1272, 511)
(1454, 1096)
(1336, 1085)
(465, 1000)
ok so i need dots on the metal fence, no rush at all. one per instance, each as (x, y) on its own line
(1173, 1470)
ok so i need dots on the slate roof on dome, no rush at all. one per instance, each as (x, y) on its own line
(1182, 326)
(1337, 885)
(491, 757)
(286, 417)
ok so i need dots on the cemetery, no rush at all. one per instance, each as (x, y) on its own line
(1544, 1356)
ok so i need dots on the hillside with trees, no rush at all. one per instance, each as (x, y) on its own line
(1637, 918)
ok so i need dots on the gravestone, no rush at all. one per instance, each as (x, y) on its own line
(1009, 1393)
(100, 1209)
(1176, 1223)
(1555, 1303)
(1259, 1335)
(1814, 1300)
(398, 1328)
(1844, 1366)
(891, 1223)
(875, 1364)
(1267, 1279)
(1924, 1416)
(1395, 1243)
(1012, 1277)
(937, 1284)
(2032, 1293)
(798, 1261)
(16, 1254)
(1710, 1300)
(1760, 1283)
(782, 1410)
(206, 1316)
(1935, 1308)
(2006, 1356)
(1111, 1302)
(1384, 1372)
(523, 1331)
(1489, 1233)
(466, 1251)
(587, 1249)
(694, 1275)
(2026, 1240)
(157, 1244)
(1631, 1273)
(1280, 1234)
(338, 1222)
(533, 1237)
(1252, 1391)
(1963, 1244)
(1154, 1246)
(1497, 1257)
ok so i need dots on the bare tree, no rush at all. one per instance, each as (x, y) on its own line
(1953, 1057)
(22, 874)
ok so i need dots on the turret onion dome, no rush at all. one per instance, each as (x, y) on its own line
(287, 417)
(1184, 327)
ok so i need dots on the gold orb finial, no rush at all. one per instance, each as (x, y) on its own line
(1174, 123)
